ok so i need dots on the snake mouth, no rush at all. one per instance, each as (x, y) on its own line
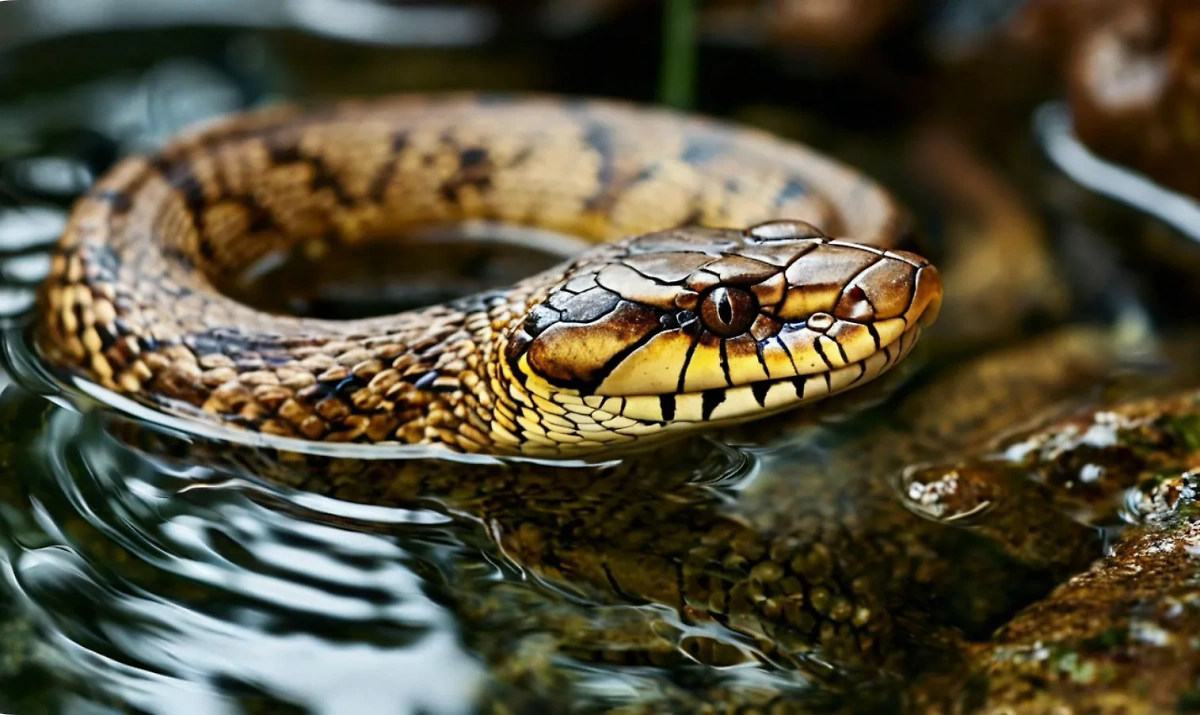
(729, 405)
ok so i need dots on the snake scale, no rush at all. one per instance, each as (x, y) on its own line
(716, 292)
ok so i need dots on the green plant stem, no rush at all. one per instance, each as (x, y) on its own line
(677, 83)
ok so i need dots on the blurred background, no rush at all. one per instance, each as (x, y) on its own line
(1050, 133)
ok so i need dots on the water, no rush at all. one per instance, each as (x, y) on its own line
(148, 568)
(142, 579)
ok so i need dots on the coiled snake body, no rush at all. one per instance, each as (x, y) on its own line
(714, 295)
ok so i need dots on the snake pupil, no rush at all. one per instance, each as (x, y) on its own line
(728, 312)
(724, 308)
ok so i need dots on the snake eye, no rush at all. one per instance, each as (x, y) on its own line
(728, 312)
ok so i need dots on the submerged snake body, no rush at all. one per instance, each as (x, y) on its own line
(672, 323)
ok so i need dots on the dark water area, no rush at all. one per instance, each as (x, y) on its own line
(149, 569)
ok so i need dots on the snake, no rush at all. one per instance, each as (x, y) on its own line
(732, 275)
(698, 225)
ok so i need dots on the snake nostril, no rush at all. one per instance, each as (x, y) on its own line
(855, 304)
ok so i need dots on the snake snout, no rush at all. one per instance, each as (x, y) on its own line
(927, 297)
(899, 285)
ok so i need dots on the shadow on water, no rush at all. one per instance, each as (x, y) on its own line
(151, 570)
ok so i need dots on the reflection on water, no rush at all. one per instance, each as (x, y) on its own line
(170, 588)
(798, 561)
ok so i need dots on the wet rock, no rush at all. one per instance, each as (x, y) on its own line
(1121, 637)
(1128, 462)
(999, 502)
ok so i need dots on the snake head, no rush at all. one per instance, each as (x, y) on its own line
(702, 325)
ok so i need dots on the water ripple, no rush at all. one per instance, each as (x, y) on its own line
(207, 587)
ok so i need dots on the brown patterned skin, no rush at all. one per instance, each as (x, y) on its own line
(674, 322)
